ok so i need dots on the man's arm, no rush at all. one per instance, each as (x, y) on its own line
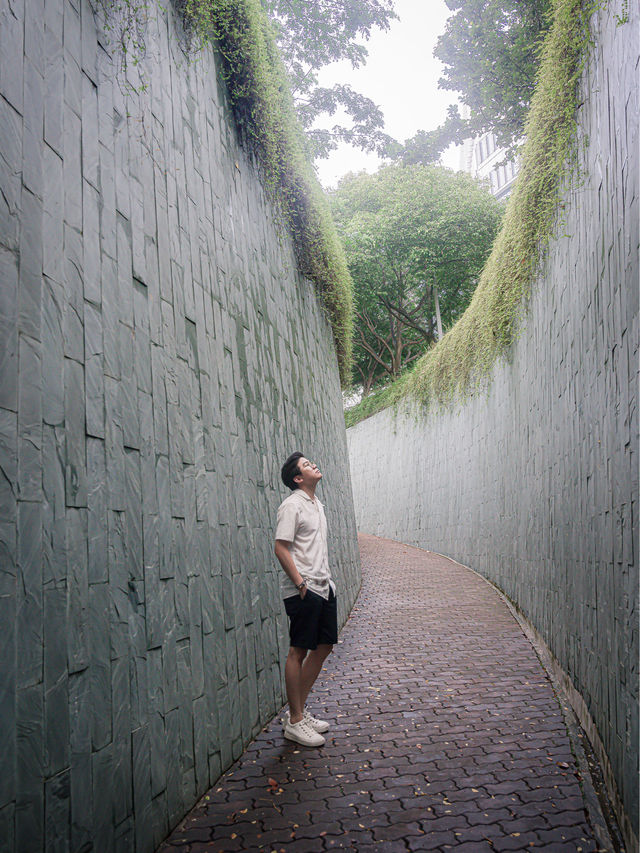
(286, 561)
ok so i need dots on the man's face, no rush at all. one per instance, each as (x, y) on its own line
(308, 473)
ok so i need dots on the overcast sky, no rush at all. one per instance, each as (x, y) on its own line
(401, 77)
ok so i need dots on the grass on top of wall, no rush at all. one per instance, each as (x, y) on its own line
(460, 364)
(262, 104)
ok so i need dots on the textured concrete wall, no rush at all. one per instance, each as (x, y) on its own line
(535, 484)
(159, 358)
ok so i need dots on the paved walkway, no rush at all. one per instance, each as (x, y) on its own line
(445, 734)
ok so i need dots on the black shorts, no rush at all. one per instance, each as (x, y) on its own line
(312, 620)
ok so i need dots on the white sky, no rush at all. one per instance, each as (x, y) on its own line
(401, 77)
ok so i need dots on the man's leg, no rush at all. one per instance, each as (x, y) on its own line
(293, 679)
(327, 635)
(310, 670)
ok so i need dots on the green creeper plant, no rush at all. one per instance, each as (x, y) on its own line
(259, 95)
(461, 363)
(416, 239)
(490, 51)
(312, 34)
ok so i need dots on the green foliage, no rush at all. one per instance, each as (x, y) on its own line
(259, 94)
(382, 398)
(364, 132)
(262, 104)
(462, 362)
(624, 17)
(124, 23)
(314, 33)
(490, 50)
(409, 233)
(427, 145)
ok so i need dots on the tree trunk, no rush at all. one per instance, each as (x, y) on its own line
(437, 305)
(366, 385)
(398, 354)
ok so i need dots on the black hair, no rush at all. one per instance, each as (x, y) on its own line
(290, 470)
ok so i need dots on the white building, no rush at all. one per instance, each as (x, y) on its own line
(482, 158)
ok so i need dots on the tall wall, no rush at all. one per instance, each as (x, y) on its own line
(535, 483)
(159, 356)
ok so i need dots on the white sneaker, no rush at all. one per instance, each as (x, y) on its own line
(317, 725)
(320, 726)
(302, 733)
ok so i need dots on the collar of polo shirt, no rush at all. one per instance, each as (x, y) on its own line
(305, 495)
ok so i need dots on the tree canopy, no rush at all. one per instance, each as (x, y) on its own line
(416, 238)
(314, 33)
(490, 50)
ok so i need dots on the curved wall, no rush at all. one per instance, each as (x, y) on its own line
(159, 358)
(535, 484)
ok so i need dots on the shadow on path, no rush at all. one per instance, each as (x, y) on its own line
(446, 733)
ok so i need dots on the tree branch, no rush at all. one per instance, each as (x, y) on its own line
(369, 349)
(370, 325)
(400, 314)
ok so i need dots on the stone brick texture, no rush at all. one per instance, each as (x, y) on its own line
(160, 356)
(445, 733)
(534, 481)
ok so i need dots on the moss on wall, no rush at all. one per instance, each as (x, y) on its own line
(261, 100)
(258, 88)
(461, 362)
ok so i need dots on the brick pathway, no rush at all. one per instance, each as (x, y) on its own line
(445, 734)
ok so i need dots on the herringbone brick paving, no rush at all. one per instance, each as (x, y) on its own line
(446, 733)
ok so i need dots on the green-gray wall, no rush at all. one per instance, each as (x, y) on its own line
(535, 483)
(159, 358)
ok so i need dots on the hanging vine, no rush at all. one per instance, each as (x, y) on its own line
(249, 62)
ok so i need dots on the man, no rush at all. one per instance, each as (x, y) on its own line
(309, 594)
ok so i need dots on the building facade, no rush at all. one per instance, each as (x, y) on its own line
(483, 158)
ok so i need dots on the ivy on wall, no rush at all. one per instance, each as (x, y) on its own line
(460, 364)
(260, 97)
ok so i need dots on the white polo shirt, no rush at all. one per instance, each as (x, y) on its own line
(302, 524)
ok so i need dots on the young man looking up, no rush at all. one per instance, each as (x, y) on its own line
(308, 591)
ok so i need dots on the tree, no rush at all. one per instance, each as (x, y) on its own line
(315, 33)
(490, 53)
(415, 236)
